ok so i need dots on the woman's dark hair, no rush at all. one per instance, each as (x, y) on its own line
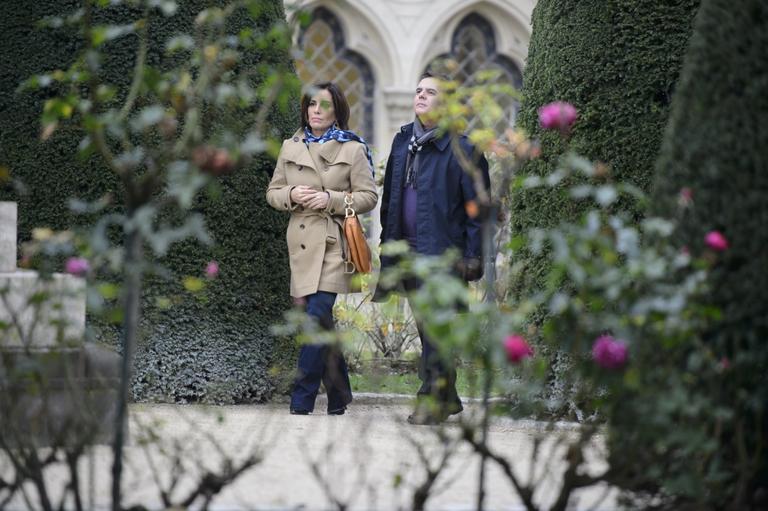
(340, 105)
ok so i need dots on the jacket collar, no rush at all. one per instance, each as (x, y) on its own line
(440, 143)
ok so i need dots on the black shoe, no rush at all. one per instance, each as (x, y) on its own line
(424, 419)
(340, 411)
(299, 412)
(423, 416)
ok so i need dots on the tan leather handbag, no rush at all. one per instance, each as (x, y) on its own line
(358, 252)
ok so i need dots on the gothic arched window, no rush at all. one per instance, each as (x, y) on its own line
(325, 57)
(473, 50)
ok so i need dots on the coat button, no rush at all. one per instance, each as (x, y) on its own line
(333, 211)
(301, 167)
(301, 226)
(303, 247)
(295, 139)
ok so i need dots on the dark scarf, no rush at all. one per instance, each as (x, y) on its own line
(419, 139)
(334, 133)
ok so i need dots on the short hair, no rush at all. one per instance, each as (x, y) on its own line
(438, 76)
(340, 104)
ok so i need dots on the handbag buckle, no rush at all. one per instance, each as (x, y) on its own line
(348, 210)
(347, 266)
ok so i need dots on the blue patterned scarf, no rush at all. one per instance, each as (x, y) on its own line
(334, 133)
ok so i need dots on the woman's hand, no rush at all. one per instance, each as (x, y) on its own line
(309, 198)
(301, 193)
(318, 201)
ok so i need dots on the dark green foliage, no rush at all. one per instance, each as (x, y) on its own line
(617, 62)
(716, 145)
(216, 346)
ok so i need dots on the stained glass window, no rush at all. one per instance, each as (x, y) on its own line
(473, 50)
(324, 57)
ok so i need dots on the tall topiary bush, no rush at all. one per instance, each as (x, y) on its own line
(617, 62)
(212, 345)
(715, 151)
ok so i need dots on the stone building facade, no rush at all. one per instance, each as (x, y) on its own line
(377, 50)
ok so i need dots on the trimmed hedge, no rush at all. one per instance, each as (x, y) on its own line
(617, 62)
(716, 145)
(217, 347)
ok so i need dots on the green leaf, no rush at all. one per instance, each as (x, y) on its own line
(147, 117)
(179, 43)
(163, 303)
(632, 378)
(184, 182)
(167, 7)
(104, 33)
(606, 195)
(109, 290)
(193, 284)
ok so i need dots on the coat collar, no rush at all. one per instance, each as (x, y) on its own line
(330, 151)
(297, 151)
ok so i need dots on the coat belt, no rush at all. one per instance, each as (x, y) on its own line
(333, 224)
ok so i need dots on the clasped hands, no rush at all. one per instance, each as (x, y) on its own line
(310, 198)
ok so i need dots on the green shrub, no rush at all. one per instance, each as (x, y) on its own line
(617, 62)
(715, 145)
(223, 336)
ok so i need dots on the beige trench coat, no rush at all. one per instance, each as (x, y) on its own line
(315, 243)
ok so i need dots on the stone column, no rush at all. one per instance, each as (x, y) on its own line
(399, 108)
(8, 218)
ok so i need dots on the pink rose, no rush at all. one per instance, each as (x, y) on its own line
(212, 269)
(609, 353)
(558, 115)
(685, 198)
(517, 348)
(716, 241)
(77, 266)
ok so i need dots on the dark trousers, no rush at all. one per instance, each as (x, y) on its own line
(437, 372)
(321, 362)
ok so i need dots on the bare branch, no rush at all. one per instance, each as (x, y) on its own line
(525, 492)
(211, 483)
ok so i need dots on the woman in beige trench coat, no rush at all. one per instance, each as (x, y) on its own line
(316, 168)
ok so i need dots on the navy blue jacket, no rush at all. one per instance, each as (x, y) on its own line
(443, 189)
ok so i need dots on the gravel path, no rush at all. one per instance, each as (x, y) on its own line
(367, 459)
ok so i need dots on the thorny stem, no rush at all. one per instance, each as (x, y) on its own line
(471, 167)
(97, 131)
(138, 70)
(133, 259)
(490, 282)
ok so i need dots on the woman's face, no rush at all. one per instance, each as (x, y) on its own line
(320, 112)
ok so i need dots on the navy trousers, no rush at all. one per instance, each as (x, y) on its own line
(321, 362)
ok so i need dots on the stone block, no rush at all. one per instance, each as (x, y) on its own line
(62, 397)
(8, 219)
(37, 312)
